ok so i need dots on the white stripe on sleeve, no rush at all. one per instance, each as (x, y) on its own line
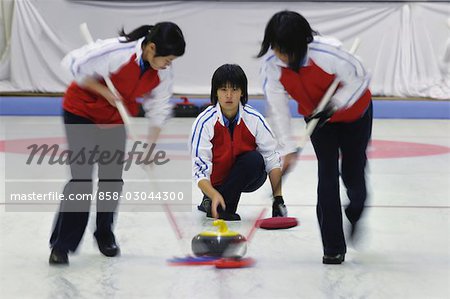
(353, 78)
(99, 59)
(265, 140)
(200, 144)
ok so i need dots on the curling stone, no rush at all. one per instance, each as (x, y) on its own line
(186, 109)
(221, 243)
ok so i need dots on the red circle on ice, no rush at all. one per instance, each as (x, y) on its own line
(378, 149)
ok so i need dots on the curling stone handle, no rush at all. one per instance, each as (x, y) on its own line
(223, 228)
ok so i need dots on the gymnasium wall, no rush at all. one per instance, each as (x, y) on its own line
(405, 45)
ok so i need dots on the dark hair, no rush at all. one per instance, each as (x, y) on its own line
(229, 74)
(290, 33)
(167, 37)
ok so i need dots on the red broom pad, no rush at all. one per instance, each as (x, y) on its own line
(231, 263)
(278, 223)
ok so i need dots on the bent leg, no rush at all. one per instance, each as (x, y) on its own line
(247, 175)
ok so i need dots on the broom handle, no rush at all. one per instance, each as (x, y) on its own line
(119, 104)
(252, 230)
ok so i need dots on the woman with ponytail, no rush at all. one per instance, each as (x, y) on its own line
(139, 65)
(301, 64)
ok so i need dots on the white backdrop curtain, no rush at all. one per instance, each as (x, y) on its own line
(404, 44)
(6, 9)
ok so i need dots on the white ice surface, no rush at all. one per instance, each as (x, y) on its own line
(404, 251)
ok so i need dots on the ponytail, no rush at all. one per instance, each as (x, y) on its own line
(136, 33)
(167, 37)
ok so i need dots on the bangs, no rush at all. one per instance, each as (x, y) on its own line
(229, 85)
(230, 78)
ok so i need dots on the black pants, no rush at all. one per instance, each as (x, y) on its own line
(247, 175)
(85, 137)
(350, 140)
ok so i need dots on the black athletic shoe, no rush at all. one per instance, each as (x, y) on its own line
(226, 216)
(205, 206)
(58, 257)
(107, 245)
(333, 259)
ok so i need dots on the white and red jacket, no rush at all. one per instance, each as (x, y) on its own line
(120, 62)
(325, 61)
(214, 150)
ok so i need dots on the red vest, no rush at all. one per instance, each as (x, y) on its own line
(127, 80)
(225, 149)
(309, 84)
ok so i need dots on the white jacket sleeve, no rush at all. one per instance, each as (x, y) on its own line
(354, 81)
(97, 60)
(157, 106)
(329, 55)
(201, 146)
(278, 106)
(266, 142)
